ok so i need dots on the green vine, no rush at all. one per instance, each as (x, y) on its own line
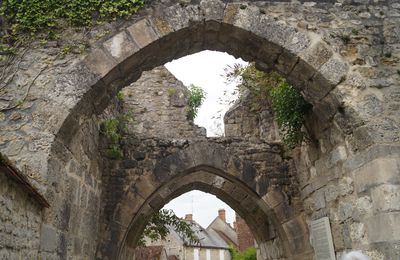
(112, 129)
(196, 98)
(46, 16)
(289, 108)
(272, 90)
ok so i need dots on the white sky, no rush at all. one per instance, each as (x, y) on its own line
(203, 206)
(204, 69)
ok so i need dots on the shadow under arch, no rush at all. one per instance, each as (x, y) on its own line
(269, 234)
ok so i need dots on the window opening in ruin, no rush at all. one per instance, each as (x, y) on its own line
(206, 70)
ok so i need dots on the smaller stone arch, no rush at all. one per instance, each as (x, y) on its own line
(209, 166)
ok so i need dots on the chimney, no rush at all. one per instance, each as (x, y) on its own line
(221, 214)
(189, 217)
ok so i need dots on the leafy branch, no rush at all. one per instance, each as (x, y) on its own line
(159, 226)
(196, 98)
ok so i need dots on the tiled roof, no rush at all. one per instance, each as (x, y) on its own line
(206, 239)
(13, 173)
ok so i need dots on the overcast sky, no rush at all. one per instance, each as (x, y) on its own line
(204, 69)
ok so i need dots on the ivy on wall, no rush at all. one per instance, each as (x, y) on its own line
(45, 16)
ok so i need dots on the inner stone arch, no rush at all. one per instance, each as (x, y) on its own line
(244, 201)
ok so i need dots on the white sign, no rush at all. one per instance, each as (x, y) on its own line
(321, 239)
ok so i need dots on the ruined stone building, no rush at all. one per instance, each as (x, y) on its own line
(66, 192)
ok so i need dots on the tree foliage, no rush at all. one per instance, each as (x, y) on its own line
(272, 90)
(196, 98)
(249, 254)
(158, 227)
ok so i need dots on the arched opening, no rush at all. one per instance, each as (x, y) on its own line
(151, 42)
(244, 201)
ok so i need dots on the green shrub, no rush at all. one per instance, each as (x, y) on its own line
(289, 108)
(112, 129)
(196, 98)
(249, 254)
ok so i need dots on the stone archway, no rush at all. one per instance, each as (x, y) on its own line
(213, 167)
(354, 94)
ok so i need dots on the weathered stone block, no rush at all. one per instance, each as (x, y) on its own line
(331, 193)
(345, 210)
(337, 155)
(362, 209)
(317, 54)
(48, 239)
(319, 199)
(386, 197)
(142, 33)
(357, 233)
(274, 198)
(383, 227)
(100, 62)
(286, 62)
(212, 9)
(120, 46)
(345, 186)
(376, 172)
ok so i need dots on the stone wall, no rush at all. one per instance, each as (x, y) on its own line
(358, 192)
(157, 103)
(241, 121)
(75, 170)
(20, 222)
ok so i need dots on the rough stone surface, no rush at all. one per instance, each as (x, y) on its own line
(20, 221)
(170, 156)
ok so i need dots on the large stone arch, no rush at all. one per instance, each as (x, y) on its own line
(177, 30)
(214, 168)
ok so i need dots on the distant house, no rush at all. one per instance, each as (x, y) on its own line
(210, 246)
(245, 238)
(219, 227)
(214, 241)
(151, 253)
